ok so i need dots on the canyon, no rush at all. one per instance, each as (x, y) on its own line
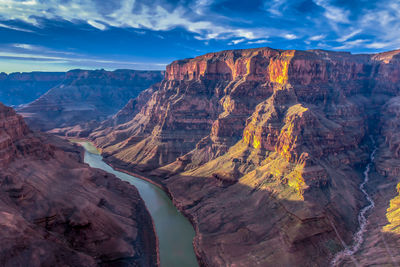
(264, 151)
(271, 154)
(84, 98)
(57, 211)
(22, 88)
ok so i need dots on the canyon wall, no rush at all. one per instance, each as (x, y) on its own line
(86, 98)
(22, 88)
(262, 148)
(56, 211)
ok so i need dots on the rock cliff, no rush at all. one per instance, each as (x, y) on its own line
(86, 97)
(56, 211)
(263, 148)
(22, 88)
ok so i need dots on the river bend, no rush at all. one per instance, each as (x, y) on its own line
(174, 231)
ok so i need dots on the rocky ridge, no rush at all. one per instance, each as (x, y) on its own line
(22, 88)
(263, 148)
(85, 98)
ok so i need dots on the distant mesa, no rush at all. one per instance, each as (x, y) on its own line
(22, 88)
(86, 97)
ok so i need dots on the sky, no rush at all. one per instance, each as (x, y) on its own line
(58, 35)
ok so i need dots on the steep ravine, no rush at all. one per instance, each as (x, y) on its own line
(381, 246)
(377, 240)
(358, 238)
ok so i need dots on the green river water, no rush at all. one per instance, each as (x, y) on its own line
(174, 231)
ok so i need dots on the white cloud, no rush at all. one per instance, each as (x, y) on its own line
(56, 59)
(317, 37)
(29, 2)
(97, 25)
(349, 36)
(274, 7)
(235, 42)
(377, 45)
(36, 48)
(29, 56)
(384, 24)
(200, 6)
(290, 36)
(258, 42)
(379, 25)
(154, 17)
(334, 13)
(25, 46)
(14, 28)
(351, 44)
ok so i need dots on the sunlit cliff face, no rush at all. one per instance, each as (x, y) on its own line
(393, 215)
(256, 64)
(281, 134)
(388, 164)
(271, 101)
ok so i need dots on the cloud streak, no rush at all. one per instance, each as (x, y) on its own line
(135, 30)
(28, 56)
(10, 27)
(33, 55)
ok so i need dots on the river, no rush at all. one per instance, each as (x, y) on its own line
(174, 231)
(358, 238)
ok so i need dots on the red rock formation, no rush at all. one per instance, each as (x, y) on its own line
(120, 121)
(391, 128)
(55, 210)
(262, 148)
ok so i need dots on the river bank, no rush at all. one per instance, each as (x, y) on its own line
(175, 233)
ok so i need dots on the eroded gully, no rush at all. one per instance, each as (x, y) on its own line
(358, 238)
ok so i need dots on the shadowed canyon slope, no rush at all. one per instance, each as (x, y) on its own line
(22, 88)
(56, 211)
(86, 97)
(264, 149)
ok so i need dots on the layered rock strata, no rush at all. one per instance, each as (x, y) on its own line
(85, 98)
(22, 88)
(263, 149)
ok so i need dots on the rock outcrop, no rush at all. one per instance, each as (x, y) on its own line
(85, 98)
(119, 123)
(22, 88)
(262, 148)
(56, 211)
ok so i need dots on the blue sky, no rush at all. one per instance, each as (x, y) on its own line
(59, 35)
